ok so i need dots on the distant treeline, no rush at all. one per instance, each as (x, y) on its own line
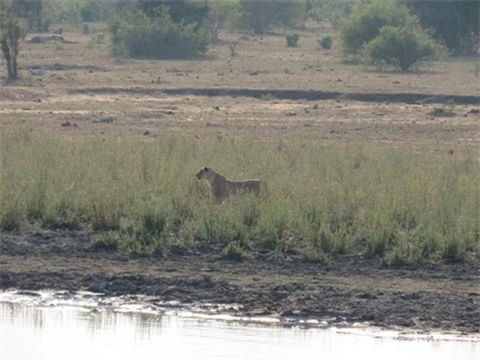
(452, 22)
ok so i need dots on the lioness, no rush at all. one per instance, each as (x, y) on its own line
(222, 188)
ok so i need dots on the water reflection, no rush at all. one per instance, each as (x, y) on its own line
(52, 333)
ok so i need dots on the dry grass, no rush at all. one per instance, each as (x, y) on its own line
(402, 205)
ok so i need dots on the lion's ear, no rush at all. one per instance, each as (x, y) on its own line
(205, 168)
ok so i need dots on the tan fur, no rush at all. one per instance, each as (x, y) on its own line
(222, 188)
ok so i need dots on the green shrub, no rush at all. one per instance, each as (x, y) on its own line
(367, 18)
(325, 42)
(401, 47)
(136, 34)
(292, 39)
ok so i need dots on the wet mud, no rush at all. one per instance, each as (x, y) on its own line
(310, 95)
(440, 298)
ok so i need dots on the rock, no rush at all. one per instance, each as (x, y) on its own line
(64, 295)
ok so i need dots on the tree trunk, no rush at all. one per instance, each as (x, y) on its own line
(15, 66)
(11, 33)
(8, 58)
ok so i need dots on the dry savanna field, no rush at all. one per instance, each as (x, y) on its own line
(266, 92)
(372, 207)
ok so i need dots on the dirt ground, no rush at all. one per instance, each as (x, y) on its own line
(266, 92)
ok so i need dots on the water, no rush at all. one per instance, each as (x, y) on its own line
(66, 332)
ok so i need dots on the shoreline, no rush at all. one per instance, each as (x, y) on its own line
(150, 305)
(431, 298)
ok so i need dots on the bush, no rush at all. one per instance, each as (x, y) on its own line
(325, 42)
(366, 20)
(292, 39)
(138, 35)
(401, 47)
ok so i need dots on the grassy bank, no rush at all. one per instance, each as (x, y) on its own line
(142, 196)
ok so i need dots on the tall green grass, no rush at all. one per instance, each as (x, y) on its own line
(139, 196)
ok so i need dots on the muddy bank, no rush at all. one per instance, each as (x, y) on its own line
(347, 289)
(310, 95)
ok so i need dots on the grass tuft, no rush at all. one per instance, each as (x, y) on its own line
(234, 251)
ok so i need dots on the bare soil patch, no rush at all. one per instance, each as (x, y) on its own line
(267, 91)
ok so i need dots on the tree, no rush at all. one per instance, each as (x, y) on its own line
(261, 15)
(222, 13)
(331, 10)
(453, 22)
(10, 35)
(180, 11)
(366, 20)
(401, 47)
(32, 11)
